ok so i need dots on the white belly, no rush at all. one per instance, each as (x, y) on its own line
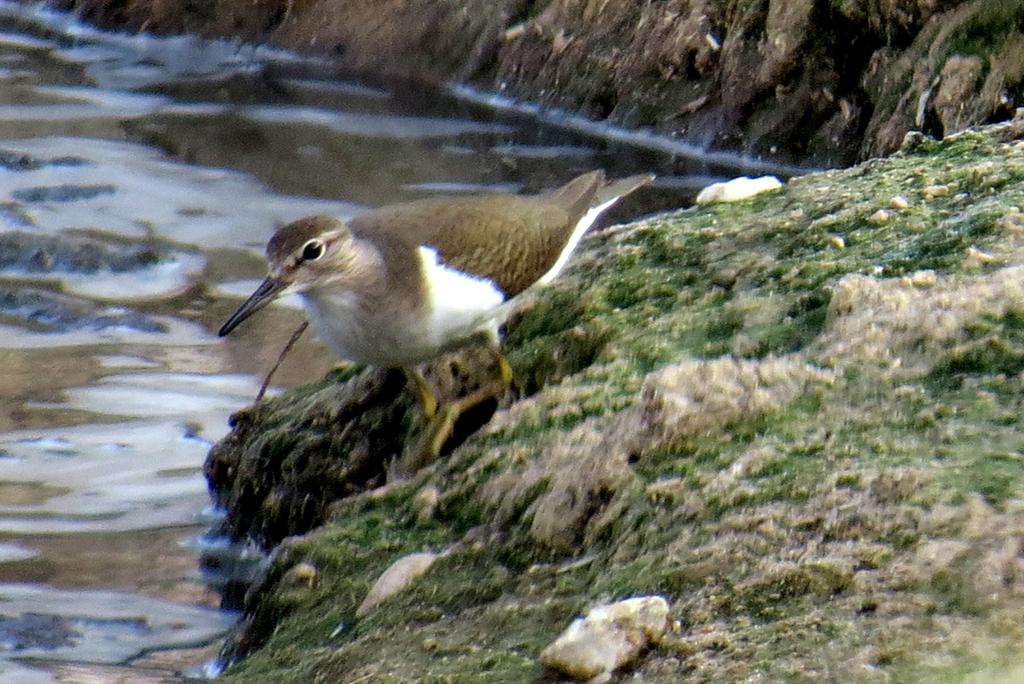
(344, 327)
(457, 308)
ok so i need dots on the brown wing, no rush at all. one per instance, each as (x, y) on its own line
(508, 239)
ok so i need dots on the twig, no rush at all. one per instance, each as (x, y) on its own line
(287, 348)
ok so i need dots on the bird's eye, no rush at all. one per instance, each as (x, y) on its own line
(312, 250)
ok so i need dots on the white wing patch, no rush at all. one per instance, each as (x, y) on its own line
(460, 304)
(581, 227)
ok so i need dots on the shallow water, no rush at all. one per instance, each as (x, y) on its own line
(139, 179)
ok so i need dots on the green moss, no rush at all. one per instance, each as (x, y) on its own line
(803, 321)
(774, 594)
(985, 23)
(995, 476)
(790, 541)
(993, 347)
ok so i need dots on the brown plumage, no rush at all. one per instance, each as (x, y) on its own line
(510, 240)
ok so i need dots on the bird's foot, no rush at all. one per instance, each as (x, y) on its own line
(438, 429)
(432, 439)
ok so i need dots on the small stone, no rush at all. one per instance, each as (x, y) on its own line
(933, 191)
(737, 189)
(899, 202)
(923, 279)
(397, 577)
(304, 574)
(879, 217)
(837, 241)
(975, 258)
(608, 637)
(913, 140)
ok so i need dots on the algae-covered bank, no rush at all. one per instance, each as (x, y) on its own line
(797, 418)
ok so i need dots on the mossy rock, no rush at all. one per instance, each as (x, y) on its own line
(795, 417)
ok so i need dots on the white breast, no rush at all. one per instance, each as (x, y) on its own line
(339, 321)
(457, 307)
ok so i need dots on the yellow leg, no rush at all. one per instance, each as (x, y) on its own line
(441, 421)
(424, 392)
(504, 369)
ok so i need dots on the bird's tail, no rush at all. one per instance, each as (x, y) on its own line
(620, 188)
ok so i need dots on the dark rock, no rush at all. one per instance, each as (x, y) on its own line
(305, 463)
(62, 193)
(278, 471)
(33, 630)
(19, 161)
(47, 311)
(75, 253)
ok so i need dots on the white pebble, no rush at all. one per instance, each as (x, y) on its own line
(608, 638)
(879, 217)
(397, 577)
(737, 189)
(899, 202)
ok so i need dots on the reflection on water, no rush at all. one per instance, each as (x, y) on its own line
(90, 626)
(139, 180)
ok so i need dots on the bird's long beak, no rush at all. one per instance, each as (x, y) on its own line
(267, 292)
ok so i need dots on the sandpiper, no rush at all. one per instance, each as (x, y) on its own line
(402, 284)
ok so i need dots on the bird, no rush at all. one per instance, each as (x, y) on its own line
(402, 284)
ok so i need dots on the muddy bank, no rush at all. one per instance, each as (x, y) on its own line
(796, 418)
(824, 83)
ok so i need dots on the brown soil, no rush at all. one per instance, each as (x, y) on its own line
(792, 80)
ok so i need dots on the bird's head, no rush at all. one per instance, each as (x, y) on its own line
(315, 251)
